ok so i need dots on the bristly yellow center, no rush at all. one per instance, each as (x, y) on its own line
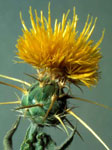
(60, 52)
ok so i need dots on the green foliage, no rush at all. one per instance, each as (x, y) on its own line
(35, 139)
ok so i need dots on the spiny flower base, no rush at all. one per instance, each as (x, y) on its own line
(44, 103)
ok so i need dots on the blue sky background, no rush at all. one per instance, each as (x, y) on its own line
(10, 28)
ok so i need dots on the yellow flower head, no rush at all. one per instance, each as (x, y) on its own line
(61, 52)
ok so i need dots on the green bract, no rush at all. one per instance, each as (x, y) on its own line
(44, 94)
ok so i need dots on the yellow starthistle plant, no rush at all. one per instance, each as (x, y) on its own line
(61, 52)
(60, 55)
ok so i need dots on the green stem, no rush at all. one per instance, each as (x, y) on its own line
(7, 142)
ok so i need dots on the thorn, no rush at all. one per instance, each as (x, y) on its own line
(29, 106)
(53, 99)
(15, 79)
(73, 128)
(91, 102)
(13, 102)
(87, 127)
(14, 86)
(59, 119)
